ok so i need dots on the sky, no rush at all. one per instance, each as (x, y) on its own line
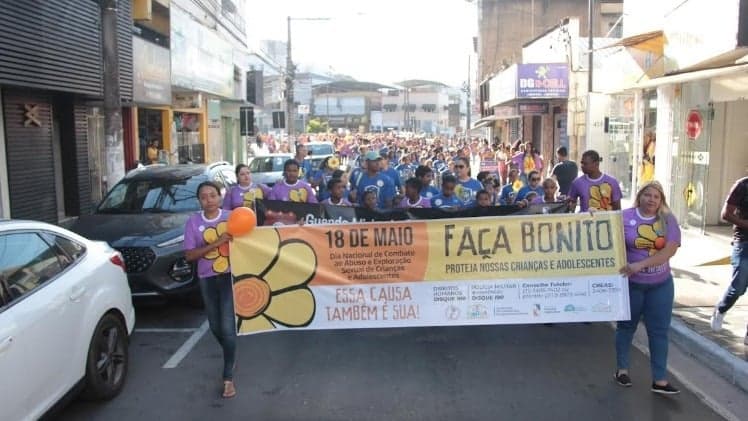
(384, 41)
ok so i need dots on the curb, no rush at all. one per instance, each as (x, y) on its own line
(719, 360)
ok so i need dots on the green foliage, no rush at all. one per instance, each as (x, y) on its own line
(316, 125)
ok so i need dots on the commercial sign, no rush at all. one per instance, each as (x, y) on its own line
(151, 73)
(546, 80)
(444, 272)
(533, 107)
(201, 60)
(502, 88)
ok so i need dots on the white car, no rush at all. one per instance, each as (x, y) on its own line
(65, 318)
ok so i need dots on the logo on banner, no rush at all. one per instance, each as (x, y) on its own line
(478, 311)
(452, 312)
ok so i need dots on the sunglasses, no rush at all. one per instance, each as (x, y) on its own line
(459, 166)
(534, 179)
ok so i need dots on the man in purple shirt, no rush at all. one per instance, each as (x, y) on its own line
(593, 189)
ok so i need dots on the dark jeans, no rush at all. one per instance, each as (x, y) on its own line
(218, 297)
(655, 304)
(739, 261)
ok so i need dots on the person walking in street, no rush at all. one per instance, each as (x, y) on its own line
(207, 243)
(373, 180)
(467, 187)
(292, 188)
(735, 211)
(593, 189)
(652, 237)
(565, 171)
(246, 192)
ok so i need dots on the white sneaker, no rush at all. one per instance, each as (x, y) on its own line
(716, 320)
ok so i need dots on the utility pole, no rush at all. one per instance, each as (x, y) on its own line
(590, 44)
(467, 113)
(114, 166)
(290, 73)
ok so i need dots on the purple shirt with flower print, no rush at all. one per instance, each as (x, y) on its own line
(301, 191)
(245, 196)
(645, 237)
(598, 194)
(423, 202)
(199, 232)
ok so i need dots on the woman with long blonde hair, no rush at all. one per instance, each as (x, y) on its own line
(652, 237)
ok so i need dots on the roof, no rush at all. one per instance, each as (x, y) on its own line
(169, 172)
(412, 83)
(352, 86)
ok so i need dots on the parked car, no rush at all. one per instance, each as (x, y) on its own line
(143, 217)
(268, 169)
(318, 151)
(65, 317)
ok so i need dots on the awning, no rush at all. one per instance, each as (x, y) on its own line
(649, 41)
(691, 76)
(485, 121)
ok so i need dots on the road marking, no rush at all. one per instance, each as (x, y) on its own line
(165, 330)
(187, 346)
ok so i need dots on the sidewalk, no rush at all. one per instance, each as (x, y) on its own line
(701, 278)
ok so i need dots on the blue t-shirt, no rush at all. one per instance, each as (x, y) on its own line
(405, 171)
(394, 175)
(527, 189)
(305, 169)
(443, 202)
(380, 183)
(466, 190)
(429, 192)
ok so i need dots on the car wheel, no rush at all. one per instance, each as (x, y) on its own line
(107, 361)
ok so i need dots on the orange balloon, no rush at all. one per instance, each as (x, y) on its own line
(241, 221)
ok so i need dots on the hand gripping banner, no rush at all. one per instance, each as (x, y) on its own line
(440, 272)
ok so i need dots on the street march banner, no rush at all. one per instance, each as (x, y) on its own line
(277, 213)
(441, 272)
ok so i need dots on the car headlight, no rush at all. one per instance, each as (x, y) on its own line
(171, 242)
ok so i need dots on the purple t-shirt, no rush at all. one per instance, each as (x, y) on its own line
(199, 232)
(240, 196)
(299, 192)
(597, 194)
(645, 237)
(423, 202)
(343, 202)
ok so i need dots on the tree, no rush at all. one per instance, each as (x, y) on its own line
(316, 125)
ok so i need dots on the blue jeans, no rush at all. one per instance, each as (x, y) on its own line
(655, 304)
(739, 261)
(218, 297)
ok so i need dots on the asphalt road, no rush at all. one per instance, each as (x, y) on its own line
(530, 372)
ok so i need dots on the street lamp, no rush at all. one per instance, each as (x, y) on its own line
(290, 74)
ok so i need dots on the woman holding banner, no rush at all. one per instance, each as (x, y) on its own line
(207, 243)
(652, 237)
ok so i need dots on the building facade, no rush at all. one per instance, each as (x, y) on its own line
(51, 133)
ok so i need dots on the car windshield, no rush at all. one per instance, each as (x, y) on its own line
(155, 195)
(320, 149)
(267, 164)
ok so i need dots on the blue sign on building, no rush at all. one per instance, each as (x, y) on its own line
(542, 80)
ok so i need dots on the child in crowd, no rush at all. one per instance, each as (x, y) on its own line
(369, 200)
(336, 188)
(483, 199)
(550, 192)
(413, 198)
(447, 198)
(291, 188)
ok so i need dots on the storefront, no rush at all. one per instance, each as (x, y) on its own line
(152, 104)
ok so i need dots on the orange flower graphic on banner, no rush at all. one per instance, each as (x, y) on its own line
(600, 197)
(650, 237)
(271, 286)
(220, 255)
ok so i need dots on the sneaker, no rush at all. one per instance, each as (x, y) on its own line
(668, 389)
(716, 320)
(623, 379)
